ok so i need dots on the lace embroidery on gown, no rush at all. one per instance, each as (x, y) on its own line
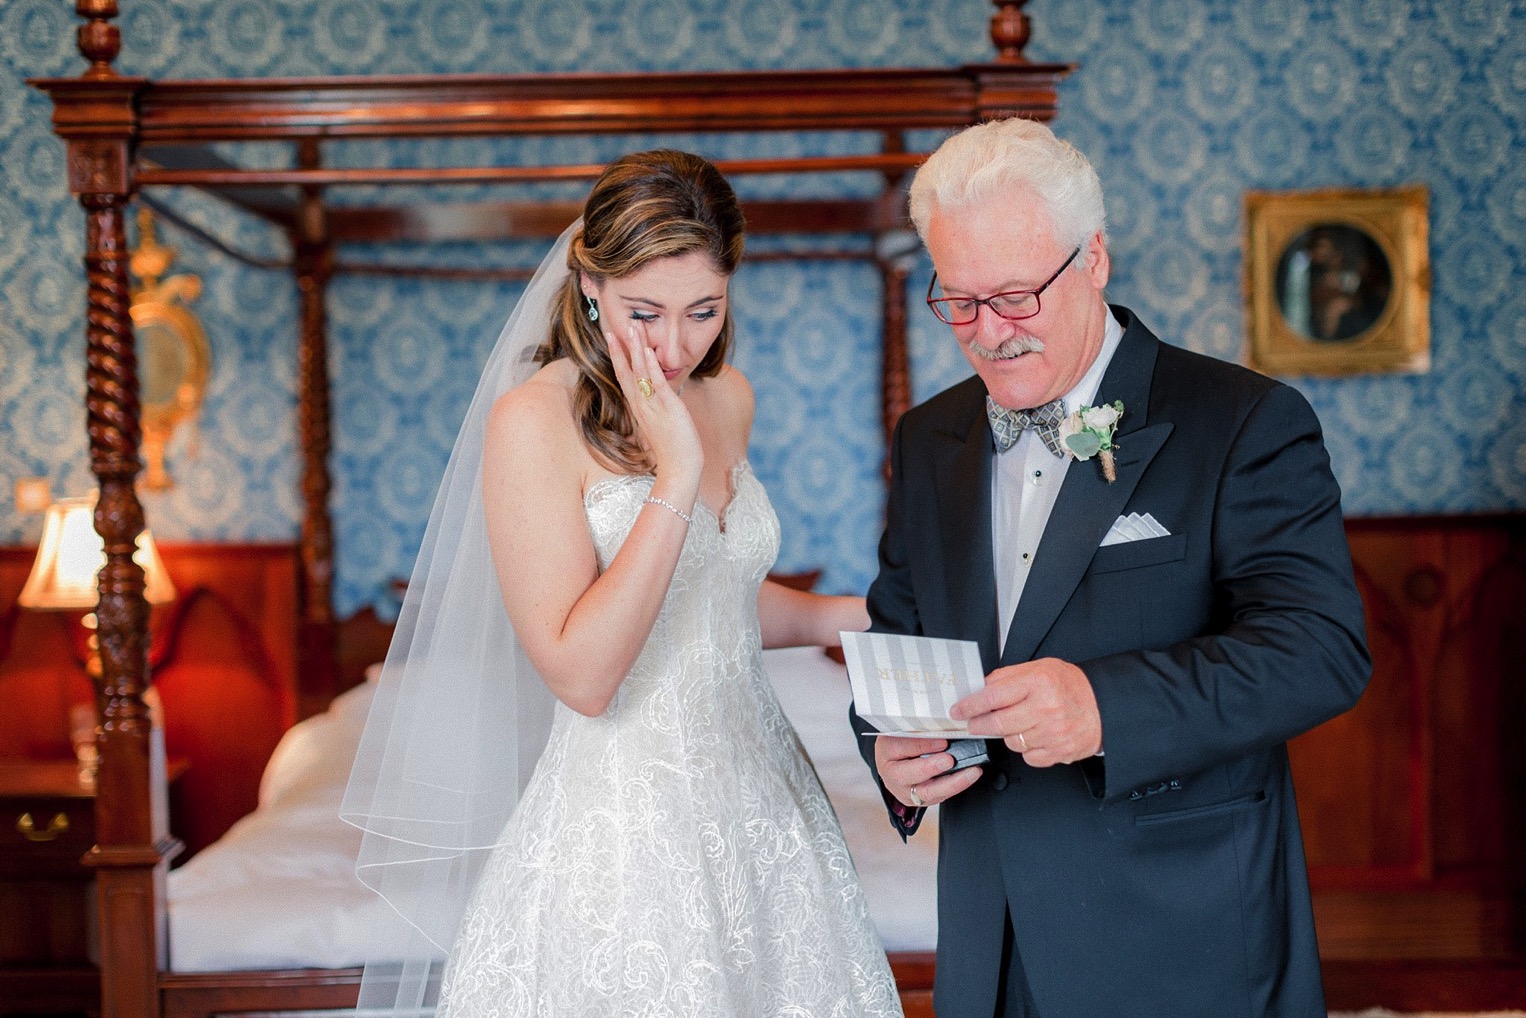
(676, 856)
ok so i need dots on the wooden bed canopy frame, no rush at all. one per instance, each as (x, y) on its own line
(124, 134)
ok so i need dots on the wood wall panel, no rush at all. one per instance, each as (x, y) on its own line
(1417, 784)
(1358, 778)
(223, 657)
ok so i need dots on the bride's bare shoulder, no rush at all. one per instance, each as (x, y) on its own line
(730, 398)
(727, 388)
(539, 411)
(547, 392)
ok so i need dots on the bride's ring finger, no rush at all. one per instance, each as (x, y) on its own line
(645, 386)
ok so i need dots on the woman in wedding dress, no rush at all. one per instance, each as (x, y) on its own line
(672, 852)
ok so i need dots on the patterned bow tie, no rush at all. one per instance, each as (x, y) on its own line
(1007, 425)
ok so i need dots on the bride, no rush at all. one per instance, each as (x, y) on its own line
(652, 841)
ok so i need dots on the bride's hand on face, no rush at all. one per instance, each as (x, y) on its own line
(662, 419)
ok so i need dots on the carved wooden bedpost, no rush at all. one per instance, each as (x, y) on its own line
(895, 373)
(1011, 85)
(1009, 31)
(894, 255)
(96, 116)
(314, 268)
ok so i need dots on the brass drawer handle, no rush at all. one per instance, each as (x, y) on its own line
(58, 825)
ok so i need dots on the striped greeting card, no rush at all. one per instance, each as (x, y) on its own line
(905, 685)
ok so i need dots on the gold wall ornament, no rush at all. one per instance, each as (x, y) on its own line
(1338, 280)
(174, 358)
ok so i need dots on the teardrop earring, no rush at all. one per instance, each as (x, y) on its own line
(593, 309)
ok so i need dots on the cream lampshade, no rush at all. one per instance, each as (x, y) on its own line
(63, 577)
(72, 554)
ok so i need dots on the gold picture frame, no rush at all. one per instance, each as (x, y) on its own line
(174, 357)
(1339, 281)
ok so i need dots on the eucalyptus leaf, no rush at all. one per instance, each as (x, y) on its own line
(1084, 444)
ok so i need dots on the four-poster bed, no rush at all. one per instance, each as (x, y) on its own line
(125, 135)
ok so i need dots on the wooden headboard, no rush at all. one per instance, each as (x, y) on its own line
(42, 669)
(222, 656)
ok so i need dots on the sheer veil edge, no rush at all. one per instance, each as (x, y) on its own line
(459, 717)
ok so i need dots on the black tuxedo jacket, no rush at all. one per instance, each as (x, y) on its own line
(1166, 877)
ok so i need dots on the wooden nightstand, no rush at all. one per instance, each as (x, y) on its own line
(47, 899)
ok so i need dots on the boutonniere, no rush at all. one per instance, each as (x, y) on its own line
(1089, 432)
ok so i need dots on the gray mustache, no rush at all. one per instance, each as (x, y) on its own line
(1011, 348)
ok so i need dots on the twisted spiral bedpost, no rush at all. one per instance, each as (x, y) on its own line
(96, 116)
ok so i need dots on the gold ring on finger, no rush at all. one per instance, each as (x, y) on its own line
(916, 799)
(1022, 742)
(646, 387)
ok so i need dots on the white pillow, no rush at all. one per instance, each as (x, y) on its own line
(312, 762)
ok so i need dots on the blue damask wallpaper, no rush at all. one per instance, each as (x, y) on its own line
(1182, 104)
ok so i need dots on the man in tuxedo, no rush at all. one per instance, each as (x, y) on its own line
(1155, 628)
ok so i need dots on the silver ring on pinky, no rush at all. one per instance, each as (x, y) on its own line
(916, 799)
(1022, 742)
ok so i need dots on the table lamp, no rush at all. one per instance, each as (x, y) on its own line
(63, 578)
(71, 555)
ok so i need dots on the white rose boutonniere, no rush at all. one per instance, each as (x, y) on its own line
(1089, 432)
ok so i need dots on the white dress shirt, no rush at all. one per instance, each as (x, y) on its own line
(1024, 485)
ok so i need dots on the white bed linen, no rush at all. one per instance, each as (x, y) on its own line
(279, 889)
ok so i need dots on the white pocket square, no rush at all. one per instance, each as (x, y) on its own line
(1134, 527)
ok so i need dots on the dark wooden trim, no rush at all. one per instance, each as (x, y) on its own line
(1463, 984)
(276, 206)
(49, 989)
(173, 112)
(895, 367)
(201, 994)
(457, 222)
(1387, 618)
(913, 969)
(452, 222)
(511, 275)
(240, 549)
(506, 105)
(204, 994)
(314, 269)
(435, 176)
(1514, 521)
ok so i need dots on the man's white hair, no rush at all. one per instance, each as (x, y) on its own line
(979, 163)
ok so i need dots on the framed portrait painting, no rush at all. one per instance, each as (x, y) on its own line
(1338, 281)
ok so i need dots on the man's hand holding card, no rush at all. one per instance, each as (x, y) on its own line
(905, 686)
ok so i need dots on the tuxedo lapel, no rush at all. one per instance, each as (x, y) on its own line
(1087, 504)
(964, 502)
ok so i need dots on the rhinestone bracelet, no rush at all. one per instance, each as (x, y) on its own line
(670, 506)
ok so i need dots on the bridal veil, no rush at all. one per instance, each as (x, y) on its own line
(459, 716)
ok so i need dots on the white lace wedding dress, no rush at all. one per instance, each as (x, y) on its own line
(676, 856)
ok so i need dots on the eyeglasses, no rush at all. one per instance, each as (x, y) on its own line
(1013, 305)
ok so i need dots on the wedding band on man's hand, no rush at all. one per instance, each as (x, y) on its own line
(916, 800)
(1022, 742)
(645, 387)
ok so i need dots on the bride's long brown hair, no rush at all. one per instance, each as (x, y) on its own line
(649, 205)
